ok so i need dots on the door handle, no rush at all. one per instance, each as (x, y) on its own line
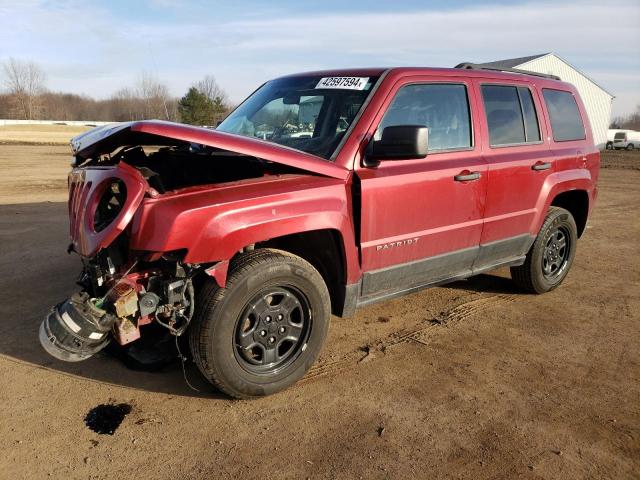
(467, 177)
(541, 166)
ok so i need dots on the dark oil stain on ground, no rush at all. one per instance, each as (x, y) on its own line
(106, 418)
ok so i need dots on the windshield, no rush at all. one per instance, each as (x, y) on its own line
(620, 136)
(309, 113)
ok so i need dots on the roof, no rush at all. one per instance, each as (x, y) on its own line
(512, 62)
(342, 72)
(400, 71)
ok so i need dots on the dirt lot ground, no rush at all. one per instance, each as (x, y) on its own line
(473, 380)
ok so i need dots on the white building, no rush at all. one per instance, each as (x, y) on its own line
(596, 99)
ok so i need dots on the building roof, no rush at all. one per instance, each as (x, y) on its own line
(516, 62)
(512, 62)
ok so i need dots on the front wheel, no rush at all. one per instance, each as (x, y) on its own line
(551, 255)
(263, 331)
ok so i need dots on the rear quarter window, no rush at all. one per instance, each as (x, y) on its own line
(566, 122)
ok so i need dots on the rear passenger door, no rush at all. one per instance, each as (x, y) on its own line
(421, 219)
(519, 162)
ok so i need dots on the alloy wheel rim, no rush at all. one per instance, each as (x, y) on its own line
(272, 330)
(555, 256)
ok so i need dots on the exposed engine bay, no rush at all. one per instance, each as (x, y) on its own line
(188, 165)
(124, 290)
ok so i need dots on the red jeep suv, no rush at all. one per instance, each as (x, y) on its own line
(322, 192)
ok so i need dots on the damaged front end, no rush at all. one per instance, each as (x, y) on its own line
(122, 289)
(112, 306)
(141, 199)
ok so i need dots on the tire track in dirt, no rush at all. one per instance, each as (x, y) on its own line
(457, 314)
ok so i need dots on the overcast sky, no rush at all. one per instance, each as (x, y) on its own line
(95, 47)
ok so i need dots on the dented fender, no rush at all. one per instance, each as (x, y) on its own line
(212, 225)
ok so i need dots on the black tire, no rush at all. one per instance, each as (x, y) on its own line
(630, 146)
(547, 263)
(609, 146)
(225, 318)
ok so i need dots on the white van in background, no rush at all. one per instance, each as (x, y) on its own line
(627, 139)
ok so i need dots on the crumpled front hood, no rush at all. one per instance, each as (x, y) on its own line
(106, 139)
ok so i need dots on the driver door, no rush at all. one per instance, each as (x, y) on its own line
(421, 220)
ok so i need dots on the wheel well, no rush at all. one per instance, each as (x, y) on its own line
(324, 250)
(577, 203)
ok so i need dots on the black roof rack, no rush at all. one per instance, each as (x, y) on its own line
(479, 66)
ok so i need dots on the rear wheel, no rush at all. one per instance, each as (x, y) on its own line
(630, 146)
(551, 255)
(263, 331)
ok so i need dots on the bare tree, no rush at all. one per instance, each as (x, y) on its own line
(27, 98)
(125, 105)
(26, 84)
(631, 121)
(5, 105)
(209, 86)
(155, 96)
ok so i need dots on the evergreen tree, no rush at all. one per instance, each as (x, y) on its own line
(196, 108)
(219, 108)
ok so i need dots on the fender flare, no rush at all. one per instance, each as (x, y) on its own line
(557, 183)
(236, 237)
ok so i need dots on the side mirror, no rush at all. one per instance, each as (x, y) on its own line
(401, 142)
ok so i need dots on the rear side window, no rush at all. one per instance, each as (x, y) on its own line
(566, 122)
(442, 108)
(511, 115)
(531, 128)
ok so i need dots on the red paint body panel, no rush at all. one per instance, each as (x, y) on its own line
(513, 187)
(215, 223)
(419, 198)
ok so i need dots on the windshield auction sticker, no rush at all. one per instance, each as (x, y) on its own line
(347, 83)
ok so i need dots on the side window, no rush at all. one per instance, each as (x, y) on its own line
(566, 122)
(531, 127)
(442, 108)
(511, 115)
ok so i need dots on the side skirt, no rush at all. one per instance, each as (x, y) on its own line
(363, 301)
(399, 280)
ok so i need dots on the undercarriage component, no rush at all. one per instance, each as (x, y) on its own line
(148, 303)
(76, 329)
(126, 331)
(124, 299)
(82, 325)
(176, 314)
